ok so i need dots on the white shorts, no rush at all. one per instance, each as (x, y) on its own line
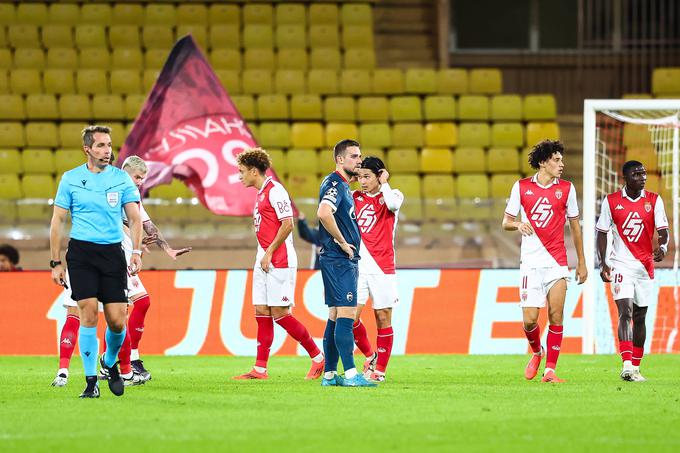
(382, 288)
(641, 290)
(135, 286)
(536, 283)
(275, 288)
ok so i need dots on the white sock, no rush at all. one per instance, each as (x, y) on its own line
(63, 371)
(546, 371)
(636, 368)
(126, 375)
(318, 358)
(259, 369)
(329, 374)
(349, 374)
(627, 365)
(134, 354)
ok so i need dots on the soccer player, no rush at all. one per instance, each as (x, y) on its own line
(9, 258)
(339, 256)
(544, 202)
(634, 213)
(377, 206)
(275, 268)
(96, 194)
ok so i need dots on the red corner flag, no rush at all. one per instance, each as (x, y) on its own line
(189, 128)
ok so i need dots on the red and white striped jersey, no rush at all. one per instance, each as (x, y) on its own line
(271, 207)
(634, 222)
(546, 209)
(377, 216)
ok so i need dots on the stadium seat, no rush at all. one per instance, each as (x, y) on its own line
(160, 14)
(469, 160)
(291, 37)
(524, 166)
(133, 105)
(486, 81)
(62, 58)
(126, 81)
(473, 186)
(410, 186)
(63, 14)
(402, 160)
(507, 134)
(537, 132)
(70, 135)
(13, 107)
(32, 13)
(502, 160)
(436, 160)
(637, 96)
(501, 185)
(290, 81)
(405, 108)
(8, 14)
(278, 158)
(340, 109)
(340, 131)
(10, 161)
(176, 189)
(506, 107)
(408, 135)
(272, 107)
(474, 134)
(90, 36)
(323, 82)
(421, 81)
(326, 160)
(307, 135)
(75, 107)
(357, 36)
(127, 13)
(439, 197)
(10, 188)
(375, 135)
(259, 59)
(452, 81)
(290, 14)
(127, 58)
(292, 59)
(359, 59)
(373, 108)
(323, 14)
(471, 107)
(356, 14)
(645, 155)
(149, 77)
(355, 82)
(302, 162)
(441, 135)
(23, 35)
(245, 106)
(225, 59)
(440, 108)
(539, 107)
(155, 58)
(37, 161)
(157, 36)
(225, 36)
(95, 58)
(25, 81)
(5, 58)
(258, 36)
(57, 36)
(41, 134)
(276, 135)
(4, 82)
(324, 36)
(29, 58)
(306, 107)
(59, 81)
(124, 36)
(325, 58)
(41, 106)
(388, 81)
(198, 32)
(257, 81)
(231, 80)
(192, 14)
(666, 81)
(303, 186)
(260, 13)
(636, 135)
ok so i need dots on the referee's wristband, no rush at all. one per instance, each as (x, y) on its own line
(137, 252)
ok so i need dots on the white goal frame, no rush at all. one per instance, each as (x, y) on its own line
(590, 109)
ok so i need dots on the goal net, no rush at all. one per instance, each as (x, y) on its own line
(615, 131)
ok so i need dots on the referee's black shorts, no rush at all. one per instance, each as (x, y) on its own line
(97, 270)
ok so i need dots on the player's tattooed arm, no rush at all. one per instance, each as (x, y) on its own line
(154, 236)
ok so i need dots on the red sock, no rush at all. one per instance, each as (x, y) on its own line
(361, 339)
(384, 346)
(68, 340)
(124, 354)
(534, 338)
(637, 355)
(300, 333)
(136, 321)
(554, 344)
(626, 350)
(265, 337)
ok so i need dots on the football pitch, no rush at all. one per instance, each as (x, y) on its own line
(430, 403)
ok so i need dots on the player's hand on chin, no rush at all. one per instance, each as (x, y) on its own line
(581, 273)
(606, 273)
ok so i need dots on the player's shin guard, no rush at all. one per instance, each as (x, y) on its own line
(136, 321)
(554, 345)
(124, 354)
(330, 351)
(626, 350)
(361, 338)
(68, 340)
(344, 342)
(114, 341)
(638, 353)
(265, 337)
(88, 349)
(534, 338)
(299, 333)
(384, 343)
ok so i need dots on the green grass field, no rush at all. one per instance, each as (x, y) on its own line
(470, 403)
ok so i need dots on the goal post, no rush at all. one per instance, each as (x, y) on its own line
(610, 130)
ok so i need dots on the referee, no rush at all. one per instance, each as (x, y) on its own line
(95, 194)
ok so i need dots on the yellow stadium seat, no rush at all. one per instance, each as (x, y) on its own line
(90, 36)
(637, 96)
(303, 186)
(231, 80)
(507, 134)
(10, 161)
(373, 108)
(410, 186)
(355, 81)
(198, 32)
(302, 161)
(326, 161)
(12, 107)
(157, 36)
(290, 14)
(388, 81)
(41, 134)
(257, 81)
(23, 35)
(5, 58)
(473, 186)
(472, 107)
(8, 13)
(537, 132)
(95, 58)
(32, 13)
(127, 58)
(539, 107)
(290, 81)
(474, 134)
(340, 131)
(155, 58)
(439, 197)
(225, 36)
(375, 135)
(37, 161)
(128, 13)
(257, 36)
(70, 135)
(291, 37)
(176, 189)
(96, 13)
(501, 185)
(405, 108)
(4, 82)
(160, 14)
(225, 59)
(322, 81)
(149, 77)
(272, 107)
(133, 105)
(340, 109)
(292, 59)
(305, 107)
(469, 160)
(408, 135)
(307, 135)
(357, 36)
(502, 160)
(421, 81)
(41, 106)
(440, 108)
(192, 14)
(126, 81)
(506, 107)
(278, 158)
(276, 135)
(91, 81)
(402, 160)
(323, 14)
(356, 14)
(59, 81)
(63, 14)
(441, 135)
(259, 59)
(325, 58)
(124, 36)
(29, 58)
(359, 59)
(245, 106)
(57, 36)
(261, 13)
(373, 152)
(75, 107)
(636, 135)
(452, 81)
(324, 36)
(436, 160)
(486, 81)
(10, 188)
(666, 81)
(524, 165)
(108, 106)
(220, 13)
(646, 155)
(25, 81)
(62, 58)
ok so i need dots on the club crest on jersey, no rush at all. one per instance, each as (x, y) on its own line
(558, 194)
(648, 206)
(112, 199)
(381, 200)
(350, 297)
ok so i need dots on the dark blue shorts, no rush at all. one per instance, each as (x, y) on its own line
(340, 278)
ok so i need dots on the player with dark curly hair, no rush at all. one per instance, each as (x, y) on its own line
(9, 258)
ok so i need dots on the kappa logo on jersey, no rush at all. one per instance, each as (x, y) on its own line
(633, 227)
(284, 299)
(367, 218)
(528, 192)
(618, 207)
(542, 212)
